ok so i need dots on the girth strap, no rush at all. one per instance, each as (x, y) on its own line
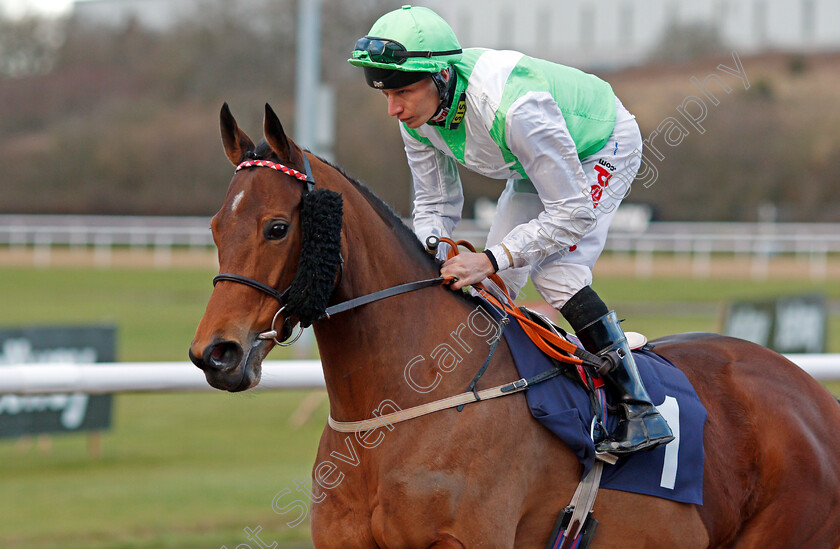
(578, 513)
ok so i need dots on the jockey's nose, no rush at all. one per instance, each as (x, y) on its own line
(221, 356)
(394, 106)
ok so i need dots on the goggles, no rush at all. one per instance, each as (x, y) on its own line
(383, 50)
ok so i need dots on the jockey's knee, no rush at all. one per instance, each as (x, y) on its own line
(557, 283)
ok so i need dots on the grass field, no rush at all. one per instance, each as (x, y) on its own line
(194, 470)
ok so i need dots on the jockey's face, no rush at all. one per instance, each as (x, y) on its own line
(414, 104)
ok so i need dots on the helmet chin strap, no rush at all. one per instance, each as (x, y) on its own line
(445, 88)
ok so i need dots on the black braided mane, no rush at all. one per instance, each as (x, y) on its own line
(406, 236)
(320, 255)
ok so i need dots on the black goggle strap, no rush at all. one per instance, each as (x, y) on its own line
(428, 53)
(398, 52)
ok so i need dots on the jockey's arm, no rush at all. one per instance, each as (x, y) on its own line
(438, 196)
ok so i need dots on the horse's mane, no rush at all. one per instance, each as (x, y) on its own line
(406, 236)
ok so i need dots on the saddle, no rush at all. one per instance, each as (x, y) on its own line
(634, 339)
(543, 321)
(565, 407)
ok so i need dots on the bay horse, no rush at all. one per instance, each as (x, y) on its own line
(490, 475)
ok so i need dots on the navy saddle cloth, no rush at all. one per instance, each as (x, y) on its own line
(674, 471)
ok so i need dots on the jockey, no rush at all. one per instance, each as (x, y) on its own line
(566, 146)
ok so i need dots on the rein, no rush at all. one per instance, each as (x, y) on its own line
(329, 311)
(550, 343)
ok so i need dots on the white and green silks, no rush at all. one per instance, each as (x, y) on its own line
(526, 120)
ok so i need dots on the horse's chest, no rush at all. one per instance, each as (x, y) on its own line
(393, 501)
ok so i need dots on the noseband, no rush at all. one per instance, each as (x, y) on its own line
(284, 296)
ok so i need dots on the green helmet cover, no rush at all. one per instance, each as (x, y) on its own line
(418, 29)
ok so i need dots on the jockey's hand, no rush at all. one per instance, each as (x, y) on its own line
(467, 268)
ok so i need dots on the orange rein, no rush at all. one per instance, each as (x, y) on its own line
(550, 343)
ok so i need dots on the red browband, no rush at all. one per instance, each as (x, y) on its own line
(274, 166)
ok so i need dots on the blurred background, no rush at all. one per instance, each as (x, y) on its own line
(112, 166)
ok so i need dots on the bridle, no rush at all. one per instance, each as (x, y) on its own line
(283, 297)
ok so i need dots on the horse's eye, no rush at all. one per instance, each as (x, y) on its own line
(276, 230)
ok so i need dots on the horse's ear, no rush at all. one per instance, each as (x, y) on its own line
(236, 143)
(283, 147)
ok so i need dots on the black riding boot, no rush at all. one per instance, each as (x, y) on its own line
(641, 426)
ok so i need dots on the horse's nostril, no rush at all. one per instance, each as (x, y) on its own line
(220, 356)
(195, 359)
(219, 352)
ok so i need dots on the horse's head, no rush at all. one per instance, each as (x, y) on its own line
(279, 254)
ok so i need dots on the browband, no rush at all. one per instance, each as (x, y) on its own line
(305, 177)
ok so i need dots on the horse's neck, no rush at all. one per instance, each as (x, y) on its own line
(365, 351)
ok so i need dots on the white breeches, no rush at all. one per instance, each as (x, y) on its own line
(609, 173)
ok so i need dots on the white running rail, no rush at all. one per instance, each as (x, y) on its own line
(130, 377)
